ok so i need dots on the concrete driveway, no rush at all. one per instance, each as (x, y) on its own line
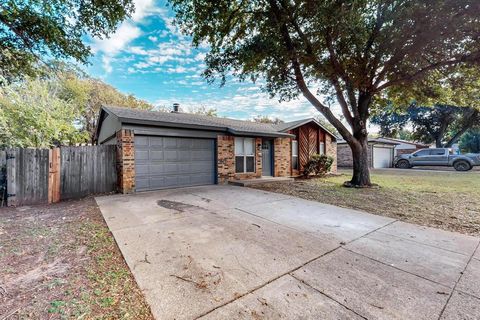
(224, 252)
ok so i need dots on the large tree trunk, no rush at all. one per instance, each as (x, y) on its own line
(361, 172)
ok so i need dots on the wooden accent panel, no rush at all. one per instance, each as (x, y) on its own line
(312, 141)
(303, 146)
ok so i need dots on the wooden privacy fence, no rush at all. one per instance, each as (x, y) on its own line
(36, 176)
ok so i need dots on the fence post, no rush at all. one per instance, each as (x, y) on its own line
(54, 175)
(11, 177)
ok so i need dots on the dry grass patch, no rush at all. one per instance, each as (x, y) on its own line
(62, 262)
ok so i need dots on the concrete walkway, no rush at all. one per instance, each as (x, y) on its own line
(225, 252)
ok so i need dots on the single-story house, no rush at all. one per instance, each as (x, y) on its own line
(157, 150)
(404, 146)
(380, 153)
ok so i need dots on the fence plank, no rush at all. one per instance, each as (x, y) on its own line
(87, 170)
(3, 178)
(27, 176)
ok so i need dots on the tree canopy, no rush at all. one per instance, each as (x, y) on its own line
(60, 109)
(33, 30)
(351, 50)
(441, 124)
(470, 142)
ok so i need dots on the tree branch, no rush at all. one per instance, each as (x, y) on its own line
(420, 73)
(300, 78)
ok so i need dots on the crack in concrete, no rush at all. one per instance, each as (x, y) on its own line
(264, 284)
(458, 280)
(326, 295)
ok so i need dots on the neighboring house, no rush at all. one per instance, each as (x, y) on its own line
(158, 150)
(404, 146)
(380, 153)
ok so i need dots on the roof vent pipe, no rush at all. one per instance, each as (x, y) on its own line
(176, 107)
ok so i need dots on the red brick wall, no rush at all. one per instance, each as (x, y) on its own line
(126, 161)
(283, 157)
(226, 160)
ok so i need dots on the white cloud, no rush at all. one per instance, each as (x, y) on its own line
(125, 34)
(153, 38)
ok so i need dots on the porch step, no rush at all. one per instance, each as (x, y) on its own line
(249, 182)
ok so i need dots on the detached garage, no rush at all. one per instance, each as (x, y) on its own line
(380, 153)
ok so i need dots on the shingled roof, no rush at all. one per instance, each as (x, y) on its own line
(195, 121)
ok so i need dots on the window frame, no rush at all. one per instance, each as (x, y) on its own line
(321, 148)
(295, 161)
(245, 155)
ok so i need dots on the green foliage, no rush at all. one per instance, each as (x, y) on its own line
(440, 124)
(32, 115)
(470, 141)
(31, 30)
(56, 109)
(267, 119)
(318, 165)
(202, 110)
(89, 95)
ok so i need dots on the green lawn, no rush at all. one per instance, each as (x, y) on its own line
(446, 200)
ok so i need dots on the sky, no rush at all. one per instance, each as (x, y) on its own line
(150, 58)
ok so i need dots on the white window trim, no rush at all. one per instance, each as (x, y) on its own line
(245, 155)
(295, 156)
(320, 149)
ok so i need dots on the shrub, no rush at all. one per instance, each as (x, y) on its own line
(318, 165)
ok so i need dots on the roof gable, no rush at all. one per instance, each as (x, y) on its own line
(287, 126)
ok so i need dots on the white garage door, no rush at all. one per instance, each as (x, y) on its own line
(168, 162)
(382, 157)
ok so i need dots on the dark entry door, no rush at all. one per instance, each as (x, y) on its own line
(267, 158)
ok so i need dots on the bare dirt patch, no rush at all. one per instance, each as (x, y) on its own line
(448, 201)
(61, 261)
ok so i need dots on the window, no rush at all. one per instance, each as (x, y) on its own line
(421, 153)
(321, 148)
(294, 154)
(244, 155)
(437, 152)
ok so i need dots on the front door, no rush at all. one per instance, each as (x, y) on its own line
(267, 158)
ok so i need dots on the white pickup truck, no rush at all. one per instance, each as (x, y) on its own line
(437, 157)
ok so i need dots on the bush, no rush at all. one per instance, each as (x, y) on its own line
(318, 165)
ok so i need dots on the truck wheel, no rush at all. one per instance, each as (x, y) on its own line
(462, 165)
(403, 164)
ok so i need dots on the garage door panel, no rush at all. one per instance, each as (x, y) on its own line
(170, 143)
(156, 169)
(153, 141)
(183, 155)
(141, 141)
(141, 169)
(166, 162)
(142, 183)
(156, 155)
(141, 155)
(201, 155)
(382, 157)
(202, 144)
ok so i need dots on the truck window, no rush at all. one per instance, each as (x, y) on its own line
(437, 152)
(425, 152)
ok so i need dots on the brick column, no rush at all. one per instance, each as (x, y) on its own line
(126, 161)
(331, 150)
(283, 157)
(225, 158)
